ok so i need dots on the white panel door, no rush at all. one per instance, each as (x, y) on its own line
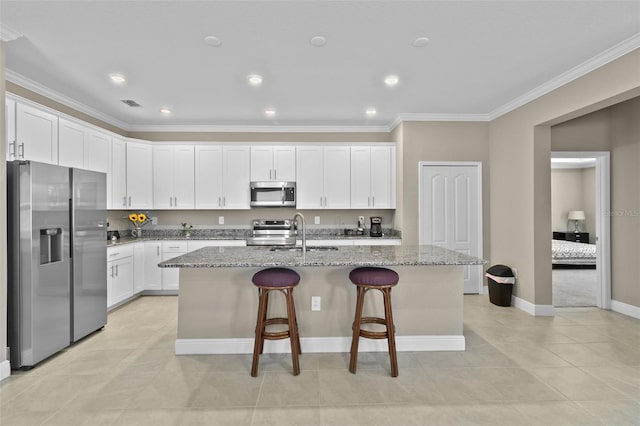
(310, 177)
(208, 182)
(284, 163)
(450, 208)
(337, 177)
(10, 119)
(36, 134)
(71, 143)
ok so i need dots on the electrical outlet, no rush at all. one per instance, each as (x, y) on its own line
(315, 303)
(220, 220)
(317, 220)
(154, 220)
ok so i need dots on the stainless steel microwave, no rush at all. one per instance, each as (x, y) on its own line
(273, 194)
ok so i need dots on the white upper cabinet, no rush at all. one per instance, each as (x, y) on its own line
(97, 151)
(173, 177)
(323, 175)
(372, 177)
(10, 120)
(222, 177)
(117, 191)
(36, 134)
(72, 137)
(139, 175)
(273, 163)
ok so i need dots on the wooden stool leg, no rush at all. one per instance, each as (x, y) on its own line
(391, 334)
(356, 329)
(297, 330)
(264, 318)
(259, 339)
(293, 332)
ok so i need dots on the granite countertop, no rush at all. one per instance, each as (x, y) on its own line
(407, 255)
(238, 234)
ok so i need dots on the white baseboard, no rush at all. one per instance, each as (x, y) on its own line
(530, 308)
(5, 370)
(318, 344)
(625, 308)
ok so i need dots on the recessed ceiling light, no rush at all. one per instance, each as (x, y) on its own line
(117, 78)
(212, 41)
(391, 80)
(254, 79)
(371, 112)
(421, 42)
(270, 112)
(318, 41)
(165, 111)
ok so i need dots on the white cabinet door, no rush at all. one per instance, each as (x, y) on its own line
(235, 177)
(173, 177)
(152, 273)
(208, 180)
(163, 177)
(10, 119)
(71, 143)
(138, 267)
(139, 176)
(284, 163)
(118, 175)
(261, 163)
(383, 177)
(310, 177)
(337, 190)
(122, 280)
(36, 134)
(360, 177)
(184, 177)
(171, 276)
(97, 151)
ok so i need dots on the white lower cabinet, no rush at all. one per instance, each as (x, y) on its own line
(138, 267)
(171, 276)
(152, 273)
(119, 274)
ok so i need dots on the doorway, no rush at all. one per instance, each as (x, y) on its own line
(581, 269)
(450, 212)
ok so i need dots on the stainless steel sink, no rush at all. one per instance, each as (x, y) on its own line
(318, 248)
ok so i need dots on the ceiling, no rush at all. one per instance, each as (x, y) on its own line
(480, 57)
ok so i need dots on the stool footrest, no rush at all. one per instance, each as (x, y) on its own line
(276, 335)
(373, 334)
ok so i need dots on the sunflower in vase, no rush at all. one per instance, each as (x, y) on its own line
(138, 220)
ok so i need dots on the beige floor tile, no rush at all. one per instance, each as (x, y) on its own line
(577, 385)
(554, 413)
(216, 417)
(284, 389)
(578, 354)
(287, 416)
(66, 417)
(531, 356)
(618, 413)
(622, 378)
(25, 418)
(368, 386)
(175, 390)
(617, 352)
(221, 389)
(149, 417)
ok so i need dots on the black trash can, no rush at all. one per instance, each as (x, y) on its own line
(501, 280)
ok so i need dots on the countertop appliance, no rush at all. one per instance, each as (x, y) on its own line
(57, 258)
(273, 194)
(273, 232)
(376, 226)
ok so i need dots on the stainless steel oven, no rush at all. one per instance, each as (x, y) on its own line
(273, 194)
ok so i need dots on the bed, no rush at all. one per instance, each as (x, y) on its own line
(572, 255)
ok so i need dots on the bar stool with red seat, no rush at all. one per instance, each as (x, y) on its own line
(283, 280)
(382, 279)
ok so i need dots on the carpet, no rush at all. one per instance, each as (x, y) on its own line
(574, 287)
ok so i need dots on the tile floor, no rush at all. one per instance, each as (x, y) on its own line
(581, 367)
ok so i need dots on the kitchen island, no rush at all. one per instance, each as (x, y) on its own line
(217, 303)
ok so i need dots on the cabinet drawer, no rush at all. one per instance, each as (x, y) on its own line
(120, 252)
(174, 246)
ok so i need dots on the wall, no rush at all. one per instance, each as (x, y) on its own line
(573, 189)
(520, 143)
(439, 141)
(3, 215)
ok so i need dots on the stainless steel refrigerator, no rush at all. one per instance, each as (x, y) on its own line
(57, 259)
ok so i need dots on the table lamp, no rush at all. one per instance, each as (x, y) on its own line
(575, 217)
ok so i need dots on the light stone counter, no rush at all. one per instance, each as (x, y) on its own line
(218, 303)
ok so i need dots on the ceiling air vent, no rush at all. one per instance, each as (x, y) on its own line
(131, 103)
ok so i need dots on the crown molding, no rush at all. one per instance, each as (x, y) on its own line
(436, 117)
(42, 90)
(609, 55)
(259, 129)
(8, 33)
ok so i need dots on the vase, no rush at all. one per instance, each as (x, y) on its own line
(136, 232)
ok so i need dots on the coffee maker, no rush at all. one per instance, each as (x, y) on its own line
(376, 226)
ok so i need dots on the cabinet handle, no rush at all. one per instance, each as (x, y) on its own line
(124, 201)
(373, 201)
(116, 270)
(12, 154)
(21, 146)
(321, 201)
(269, 174)
(368, 201)
(129, 200)
(170, 201)
(114, 254)
(219, 202)
(111, 271)
(175, 201)
(157, 250)
(325, 201)
(224, 201)
(275, 174)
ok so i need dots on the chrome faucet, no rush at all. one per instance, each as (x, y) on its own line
(304, 230)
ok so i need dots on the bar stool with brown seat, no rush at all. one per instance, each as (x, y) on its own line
(268, 280)
(382, 279)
